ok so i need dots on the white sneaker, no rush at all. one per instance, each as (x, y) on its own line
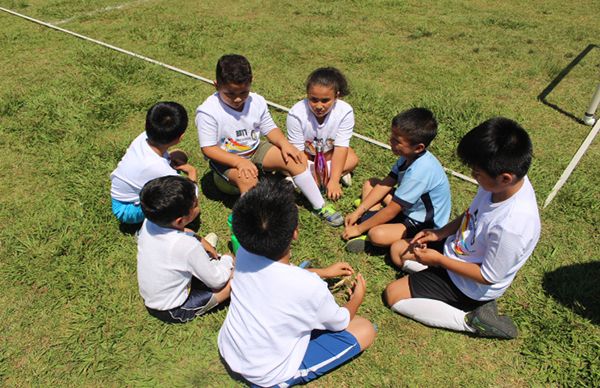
(346, 180)
(212, 239)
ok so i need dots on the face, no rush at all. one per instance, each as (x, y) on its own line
(234, 95)
(320, 99)
(194, 212)
(401, 146)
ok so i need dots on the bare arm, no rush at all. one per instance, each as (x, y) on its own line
(243, 165)
(278, 139)
(357, 297)
(338, 160)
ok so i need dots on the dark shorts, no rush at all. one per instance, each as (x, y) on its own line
(200, 300)
(412, 227)
(257, 158)
(434, 283)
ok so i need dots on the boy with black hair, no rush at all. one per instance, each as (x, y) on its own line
(230, 123)
(176, 276)
(283, 325)
(147, 158)
(484, 247)
(416, 192)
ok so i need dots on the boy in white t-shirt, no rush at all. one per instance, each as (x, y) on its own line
(147, 158)
(484, 247)
(230, 123)
(283, 325)
(177, 278)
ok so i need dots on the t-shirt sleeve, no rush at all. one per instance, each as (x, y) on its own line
(208, 129)
(396, 168)
(330, 316)
(266, 121)
(504, 251)
(294, 131)
(213, 273)
(410, 189)
(344, 132)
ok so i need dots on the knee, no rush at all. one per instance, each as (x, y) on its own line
(351, 160)
(397, 251)
(363, 330)
(376, 235)
(396, 291)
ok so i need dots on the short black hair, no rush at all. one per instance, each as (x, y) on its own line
(418, 125)
(498, 145)
(331, 77)
(167, 198)
(265, 218)
(166, 121)
(233, 68)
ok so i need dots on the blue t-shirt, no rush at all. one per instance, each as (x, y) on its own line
(423, 190)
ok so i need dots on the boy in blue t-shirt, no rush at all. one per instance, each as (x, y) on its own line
(421, 197)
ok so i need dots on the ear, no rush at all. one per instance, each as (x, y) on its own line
(506, 178)
(419, 148)
(295, 234)
(216, 84)
(179, 223)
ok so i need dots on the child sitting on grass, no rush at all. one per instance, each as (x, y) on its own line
(230, 123)
(484, 247)
(147, 158)
(283, 325)
(177, 279)
(416, 192)
(321, 125)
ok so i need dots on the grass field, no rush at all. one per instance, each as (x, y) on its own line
(70, 311)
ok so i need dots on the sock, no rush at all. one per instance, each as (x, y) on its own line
(433, 313)
(309, 188)
(411, 266)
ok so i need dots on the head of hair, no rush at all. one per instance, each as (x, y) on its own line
(330, 77)
(265, 218)
(233, 68)
(418, 125)
(498, 145)
(167, 198)
(166, 121)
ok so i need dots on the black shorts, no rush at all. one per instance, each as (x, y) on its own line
(200, 300)
(434, 283)
(412, 227)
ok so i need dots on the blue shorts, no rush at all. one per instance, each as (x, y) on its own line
(127, 212)
(326, 351)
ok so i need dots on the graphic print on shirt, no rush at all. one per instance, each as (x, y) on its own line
(465, 235)
(310, 146)
(245, 142)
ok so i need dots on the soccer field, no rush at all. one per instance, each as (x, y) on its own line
(70, 310)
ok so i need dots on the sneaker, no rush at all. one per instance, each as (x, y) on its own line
(487, 323)
(346, 180)
(357, 244)
(357, 202)
(212, 239)
(330, 215)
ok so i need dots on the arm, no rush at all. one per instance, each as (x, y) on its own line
(278, 139)
(244, 166)
(357, 296)
(189, 170)
(428, 235)
(374, 197)
(333, 271)
(383, 216)
(338, 160)
(431, 257)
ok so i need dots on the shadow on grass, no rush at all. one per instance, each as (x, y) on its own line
(577, 287)
(210, 191)
(557, 80)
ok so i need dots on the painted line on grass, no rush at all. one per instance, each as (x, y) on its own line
(192, 75)
(101, 10)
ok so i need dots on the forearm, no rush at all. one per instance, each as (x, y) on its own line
(383, 216)
(338, 160)
(277, 138)
(221, 156)
(468, 270)
(376, 195)
(450, 228)
(352, 305)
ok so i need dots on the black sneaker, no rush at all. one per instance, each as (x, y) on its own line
(487, 323)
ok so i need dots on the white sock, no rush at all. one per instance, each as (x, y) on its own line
(433, 313)
(412, 266)
(309, 188)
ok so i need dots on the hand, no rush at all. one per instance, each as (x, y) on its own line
(289, 151)
(246, 168)
(337, 270)
(426, 256)
(360, 288)
(352, 218)
(425, 236)
(212, 252)
(334, 190)
(187, 168)
(351, 232)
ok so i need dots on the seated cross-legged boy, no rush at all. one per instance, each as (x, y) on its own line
(421, 197)
(230, 123)
(147, 158)
(283, 325)
(483, 248)
(177, 279)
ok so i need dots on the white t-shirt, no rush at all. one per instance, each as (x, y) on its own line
(274, 308)
(139, 165)
(501, 236)
(166, 261)
(336, 130)
(233, 131)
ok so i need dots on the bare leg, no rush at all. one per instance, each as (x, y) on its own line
(385, 235)
(396, 291)
(363, 331)
(242, 183)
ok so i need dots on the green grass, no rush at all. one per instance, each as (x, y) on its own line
(71, 314)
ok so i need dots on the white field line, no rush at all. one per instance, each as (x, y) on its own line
(101, 10)
(192, 75)
(574, 161)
